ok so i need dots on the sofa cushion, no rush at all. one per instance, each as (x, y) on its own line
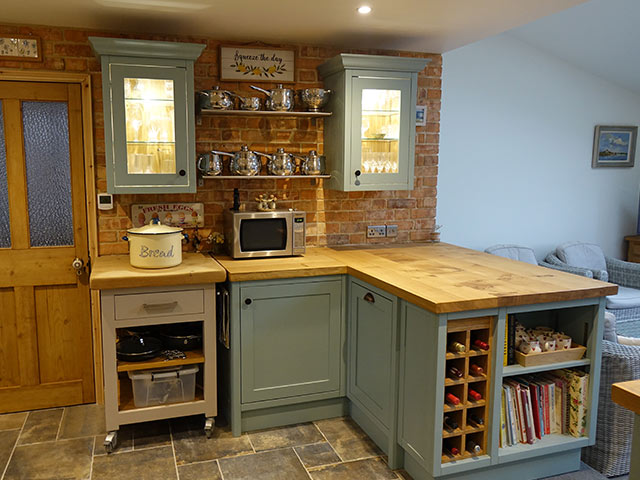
(514, 252)
(585, 255)
(609, 327)
(625, 298)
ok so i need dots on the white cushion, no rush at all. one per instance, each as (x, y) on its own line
(584, 255)
(625, 298)
(628, 340)
(514, 252)
(609, 327)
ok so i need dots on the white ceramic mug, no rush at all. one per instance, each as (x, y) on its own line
(532, 346)
(548, 344)
(563, 342)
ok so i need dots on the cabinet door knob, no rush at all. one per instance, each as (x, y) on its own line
(357, 173)
(369, 297)
(247, 301)
(182, 173)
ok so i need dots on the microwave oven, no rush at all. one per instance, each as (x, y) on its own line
(277, 233)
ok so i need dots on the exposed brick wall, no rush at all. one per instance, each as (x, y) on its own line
(334, 218)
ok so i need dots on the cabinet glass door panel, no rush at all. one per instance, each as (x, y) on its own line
(381, 125)
(150, 125)
(147, 109)
(380, 130)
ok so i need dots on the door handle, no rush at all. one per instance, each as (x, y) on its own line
(147, 306)
(369, 297)
(78, 266)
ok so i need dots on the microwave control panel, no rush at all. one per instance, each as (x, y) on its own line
(298, 233)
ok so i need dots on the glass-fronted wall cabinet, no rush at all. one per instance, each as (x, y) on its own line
(370, 138)
(149, 114)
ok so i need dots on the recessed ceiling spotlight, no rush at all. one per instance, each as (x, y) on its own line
(364, 9)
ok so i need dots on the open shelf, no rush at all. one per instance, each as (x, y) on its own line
(193, 356)
(520, 370)
(554, 442)
(262, 177)
(264, 113)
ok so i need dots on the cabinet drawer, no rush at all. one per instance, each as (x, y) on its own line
(160, 304)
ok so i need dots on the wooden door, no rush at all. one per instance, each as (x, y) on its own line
(46, 356)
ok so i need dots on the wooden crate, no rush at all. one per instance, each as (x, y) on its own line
(576, 352)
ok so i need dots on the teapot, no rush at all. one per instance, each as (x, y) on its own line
(244, 162)
(312, 164)
(280, 163)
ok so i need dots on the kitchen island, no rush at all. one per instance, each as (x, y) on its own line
(364, 332)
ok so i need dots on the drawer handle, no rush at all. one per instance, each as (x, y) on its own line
(369, 297)
(150, 306)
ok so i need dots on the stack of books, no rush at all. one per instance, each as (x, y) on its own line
(533, 406)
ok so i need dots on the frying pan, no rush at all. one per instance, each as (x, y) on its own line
(181, 336)
(137, 348)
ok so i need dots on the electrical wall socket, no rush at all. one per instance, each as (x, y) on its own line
(374, 231)
(392, 230)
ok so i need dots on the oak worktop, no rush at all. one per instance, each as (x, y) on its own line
(627, 394)
(438, 277)
(115, 271)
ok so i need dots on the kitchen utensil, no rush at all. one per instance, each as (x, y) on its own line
(280, 163)
(314, 98)
(138, 348)
(155, 245)
(181, 336)
(215, 99)
(280, 99)
(245, 162)
(312, 164)
(248, 103)
(210, 163)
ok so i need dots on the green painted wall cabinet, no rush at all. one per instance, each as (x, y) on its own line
(149, 118)
(369, 140)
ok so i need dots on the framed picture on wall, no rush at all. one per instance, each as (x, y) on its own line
(614, 146)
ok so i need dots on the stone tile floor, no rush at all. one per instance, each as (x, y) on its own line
(66, 443)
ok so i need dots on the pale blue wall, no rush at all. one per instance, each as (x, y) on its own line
(515, 151)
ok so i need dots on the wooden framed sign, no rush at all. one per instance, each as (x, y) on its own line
(20, 47)
(256, 64)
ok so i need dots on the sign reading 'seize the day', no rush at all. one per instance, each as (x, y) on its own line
(256, 64)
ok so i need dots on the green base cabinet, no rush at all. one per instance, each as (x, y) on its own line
(370, 136)
(287, 351)
(149, 117)
(372, 331)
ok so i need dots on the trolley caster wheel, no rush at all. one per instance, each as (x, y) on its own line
(209, 425)
(111, 441)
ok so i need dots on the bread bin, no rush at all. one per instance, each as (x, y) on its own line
(155, 246)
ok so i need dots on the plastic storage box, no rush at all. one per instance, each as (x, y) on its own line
(157, 387)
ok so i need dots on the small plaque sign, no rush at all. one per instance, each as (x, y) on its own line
(256, 64)
(185, 215)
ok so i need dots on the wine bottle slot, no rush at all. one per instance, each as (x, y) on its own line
(452, 399)
(473, 395)
(454, 373)
(457, 347)
(481, 344)
(473, 447)
(476, 369)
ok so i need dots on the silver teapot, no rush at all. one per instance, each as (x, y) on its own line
(280, 163)
(245, 162)
(280, 99)
(312, 164)
(248, 103)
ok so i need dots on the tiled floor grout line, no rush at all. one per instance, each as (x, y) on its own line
(327, 440)
(15, 445)
(64, 411)
(251, 443)
(301, 463)
(173, 449)
(50, 441)
(93, 456)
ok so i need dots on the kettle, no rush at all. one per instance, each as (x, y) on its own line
(245, 162)
(280, 163)
(312, 164)
(280, 99)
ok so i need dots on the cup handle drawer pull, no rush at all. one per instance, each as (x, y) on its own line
(151, 306)
(369, 297)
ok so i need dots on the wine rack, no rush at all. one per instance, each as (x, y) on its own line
(462, 377)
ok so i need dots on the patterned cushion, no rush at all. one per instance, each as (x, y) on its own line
(514, 252)
(625, 298)
(584, 255)
(609, 327)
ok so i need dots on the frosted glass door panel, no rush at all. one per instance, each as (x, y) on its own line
(381, 113)
(5, 227)
(46, 151)
(150, 125)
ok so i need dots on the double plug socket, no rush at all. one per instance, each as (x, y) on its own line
(375, 231)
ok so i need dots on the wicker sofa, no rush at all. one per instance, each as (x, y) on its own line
(611, 453)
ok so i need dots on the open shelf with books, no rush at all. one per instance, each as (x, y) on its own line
(467, 386)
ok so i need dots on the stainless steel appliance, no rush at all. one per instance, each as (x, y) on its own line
(278, 233)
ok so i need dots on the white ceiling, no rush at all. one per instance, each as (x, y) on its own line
(600, 36)
(418, 25)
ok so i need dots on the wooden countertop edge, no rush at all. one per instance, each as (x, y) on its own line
(479, 304)
(277, 274)
(627, 395)
(158, 281)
